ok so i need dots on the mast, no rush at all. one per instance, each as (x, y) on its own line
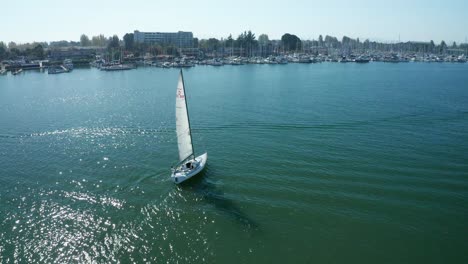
(188, 116)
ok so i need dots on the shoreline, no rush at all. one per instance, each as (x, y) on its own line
(213, 62)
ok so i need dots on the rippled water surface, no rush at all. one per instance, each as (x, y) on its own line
(319, 163)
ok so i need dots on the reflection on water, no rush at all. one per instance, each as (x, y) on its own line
(82, 224)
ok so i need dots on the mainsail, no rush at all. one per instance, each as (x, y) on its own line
(184, 137)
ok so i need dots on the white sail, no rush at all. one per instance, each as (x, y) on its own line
(184, 137)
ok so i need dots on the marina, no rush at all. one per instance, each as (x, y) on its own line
(188, 62)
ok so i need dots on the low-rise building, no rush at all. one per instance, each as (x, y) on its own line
(73, 53)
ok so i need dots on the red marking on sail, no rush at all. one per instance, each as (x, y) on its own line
(180, 95)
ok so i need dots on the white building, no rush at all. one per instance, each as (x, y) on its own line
(179, 39)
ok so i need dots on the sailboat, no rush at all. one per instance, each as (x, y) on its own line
(188, 165)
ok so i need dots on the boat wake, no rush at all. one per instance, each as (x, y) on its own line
(421, 118)
(216, 198)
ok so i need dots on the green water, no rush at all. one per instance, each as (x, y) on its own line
(319, 163)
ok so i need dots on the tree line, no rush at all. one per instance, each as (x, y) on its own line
(251, 45)
(39, 50)
(246, 41)
(31, 50)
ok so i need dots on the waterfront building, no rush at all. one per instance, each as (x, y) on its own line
(74, 52)
(179, 39)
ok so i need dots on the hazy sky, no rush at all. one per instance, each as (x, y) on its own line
(420, 20)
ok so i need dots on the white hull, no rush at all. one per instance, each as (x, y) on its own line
(182, 173)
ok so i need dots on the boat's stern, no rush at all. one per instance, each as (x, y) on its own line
(180, 175)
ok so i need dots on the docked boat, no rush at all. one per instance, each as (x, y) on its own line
(236, 61)
(461, 59)
(393, 58)
(304, 59)
(16, 72)
(344, 59)
(362, 59)
(215, 62)
(282, 60)
(188, 165)
(185, 64)
(3, 71)
(97, 63)
(57, 69)
(166, 65)
(68, 64)
(117, 67)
